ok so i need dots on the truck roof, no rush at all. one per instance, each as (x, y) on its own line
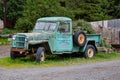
(54, 19)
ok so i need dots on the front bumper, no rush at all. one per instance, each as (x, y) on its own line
(20, 50)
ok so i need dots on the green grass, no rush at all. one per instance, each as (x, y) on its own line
(54, 60)
(3, 40)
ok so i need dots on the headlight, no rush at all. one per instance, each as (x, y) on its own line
(14, 37)
(26, 38)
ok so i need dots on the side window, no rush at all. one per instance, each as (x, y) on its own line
(64, 27)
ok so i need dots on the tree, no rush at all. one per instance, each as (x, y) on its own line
(89, 10)
(29, 10)
(14, 11)
(15, 8)
(39, 8)
(116, 9)
(1, 9)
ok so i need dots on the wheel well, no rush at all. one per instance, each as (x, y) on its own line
(35, 47)
(92, 43)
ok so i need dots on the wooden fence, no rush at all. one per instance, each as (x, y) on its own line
(109, 29)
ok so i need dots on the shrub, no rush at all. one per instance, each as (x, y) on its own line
(85, 26)
(6, 31)
(23, 25)
(104, 43)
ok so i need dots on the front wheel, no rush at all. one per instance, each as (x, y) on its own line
(90, 51)
(40, 55)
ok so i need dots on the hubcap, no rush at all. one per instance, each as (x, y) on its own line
(81, 38)
(42, 57)
(90, 52)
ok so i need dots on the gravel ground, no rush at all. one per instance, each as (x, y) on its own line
(4, 50)
(108, 70)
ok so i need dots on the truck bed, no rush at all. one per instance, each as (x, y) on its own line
(96, 37)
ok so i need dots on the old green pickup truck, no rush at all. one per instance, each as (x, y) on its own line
(53, 35)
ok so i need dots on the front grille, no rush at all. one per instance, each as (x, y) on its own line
(20, 45)
(20, 41)
(20, 38)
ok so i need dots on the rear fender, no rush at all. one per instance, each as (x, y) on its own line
(90, 42)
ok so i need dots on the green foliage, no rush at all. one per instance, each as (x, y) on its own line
(6, 31)
(104, 43)
(89, 10)
(39, 8)
(14, 9)
(24, 24)
(3, 40)
(1, 9)
(85, 26)
(116, 11)
(25, 12)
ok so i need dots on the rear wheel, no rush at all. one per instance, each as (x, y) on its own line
(40, 55)
(90, 51)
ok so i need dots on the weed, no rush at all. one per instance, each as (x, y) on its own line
(3, 40)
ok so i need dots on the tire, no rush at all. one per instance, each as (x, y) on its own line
(12, 55)
(89, 51)
(80, 38)
(40, 55)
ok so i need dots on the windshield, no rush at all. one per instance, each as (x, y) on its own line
(45, 26)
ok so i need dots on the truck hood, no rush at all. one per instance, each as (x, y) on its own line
(35, 37)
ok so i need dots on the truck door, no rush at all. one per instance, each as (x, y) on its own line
(64, 37)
